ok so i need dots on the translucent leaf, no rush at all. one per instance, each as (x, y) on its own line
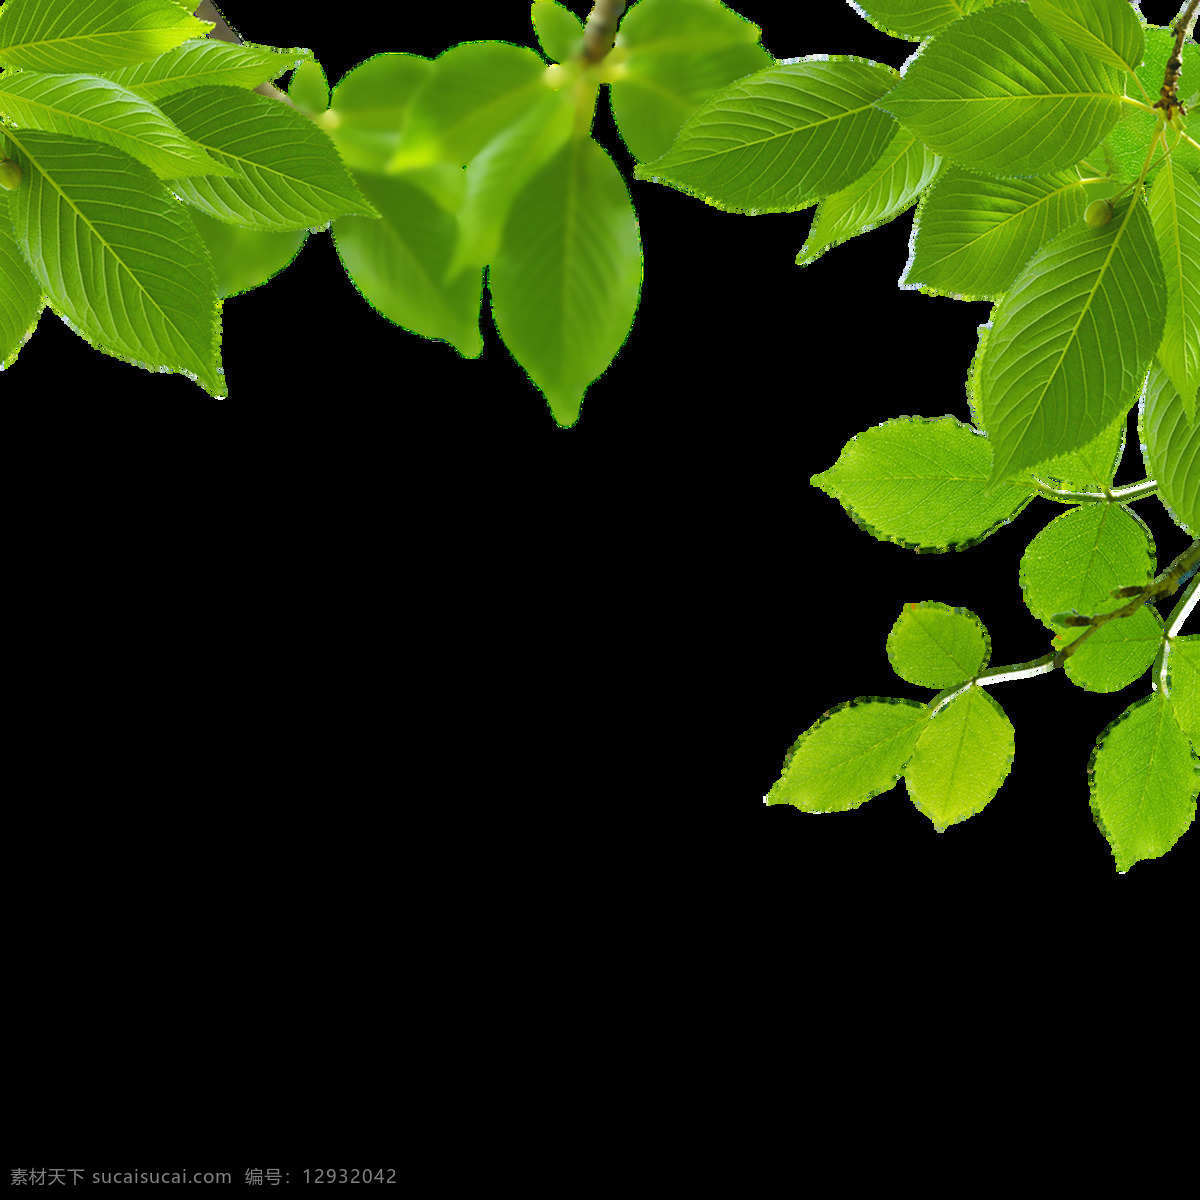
(973, 233)
(309, 88)
(919, 481)
(48, 35)
(87, 106)
(1089, 468)
(566, 281)
(916, 20)
(370, 105)
(961, 759)
(902, 172)
(1183, 684)
(1144, 781)
(1171, 449)
(206, 63)
(855, 751)
(999, 92)
(1117, 654)
(499, 171)
(559, 31)
(246, 258)
(677, 53)
(1106, 29)
(288, 173)
(1175, 213)
(117, 255)
(399, 264)
(936, 646)
(779, 140)
(476, 90)
(1070, 341)
(1080, 557)
(21, 300)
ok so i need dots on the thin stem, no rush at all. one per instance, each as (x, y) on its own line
(601, 28)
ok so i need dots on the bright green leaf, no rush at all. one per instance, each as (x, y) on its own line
(476, 90)
(1183, 684)
(1171, 449)
(973, 233)
(1080, 557)
(117, 255)
(915, 20)
(919, 481)
(1106, 29)
(49, 35)
(369, 107)
(559, 31)
(936, 646)
(1117, 654)
(399, 264)
(999, 92)
(1144, 781)
(500, 170)
(309, 88)
(960, 760)
(206, 63)
(779, 140)
(902, 172)
(21, 300)
(1175, 213)
(566, 281)
(855, 751)
(1070, 341)
(289, 175)
(676, 54)
(87, 106)
(245, 258)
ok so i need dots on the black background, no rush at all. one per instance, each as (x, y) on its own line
(377, 584)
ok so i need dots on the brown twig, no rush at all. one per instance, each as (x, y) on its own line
(1168, 96)
(601, 28)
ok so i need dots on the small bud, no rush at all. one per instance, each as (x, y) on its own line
(1067, 620)
(1099, 213)
(10, 175)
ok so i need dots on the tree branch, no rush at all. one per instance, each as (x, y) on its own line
(601, 29)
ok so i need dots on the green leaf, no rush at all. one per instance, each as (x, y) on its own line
(1183, 684)
(1171, 449)
(1108, 30)
(678, 53)
(1124, 150)
(288, 173)
(1089, 468)
(48, 35)
(779, 140)
(999, 92)
(206, 63)
(500, 170)
(117, 256)
(1175, 213)
(919, 481)
(903, 171)
(855, 751)
(566, 281)
(559, 31)
(87, 106)
(399, 264)
(973, 233)
(476, 90)
(309, 88)
(21, 300)
(1118, 653)
(246, 258)
(1080, 557)
(936, 646)
(1070, 341)
(370, 105)
(962, 757)
(915, 20)
(1144, 781)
